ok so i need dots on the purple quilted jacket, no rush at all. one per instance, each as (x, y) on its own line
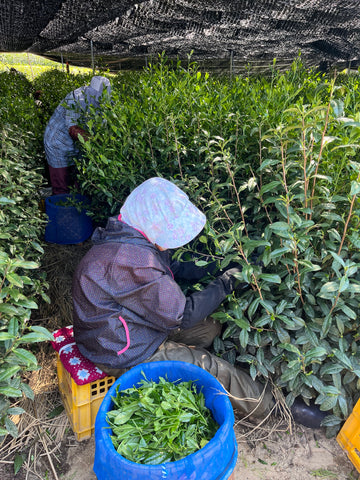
(126, 301)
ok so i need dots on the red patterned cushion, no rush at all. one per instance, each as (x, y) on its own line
(80, 368)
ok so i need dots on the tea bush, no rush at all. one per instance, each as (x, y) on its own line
(298, 320)
(21, 285)
(164, 122)
(54, 85)
(19, 111)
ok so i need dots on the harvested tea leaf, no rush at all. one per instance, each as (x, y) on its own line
(160, 422)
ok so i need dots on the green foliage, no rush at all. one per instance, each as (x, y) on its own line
(298, 320)
(54, 86)
(173, 417)
(21, 226)
(273, 162)
(165, 120)
(19, 111)
(20, 216)
(155, 126)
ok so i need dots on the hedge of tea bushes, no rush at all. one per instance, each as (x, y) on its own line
(21, 232)
(53, 86)
(168, 121)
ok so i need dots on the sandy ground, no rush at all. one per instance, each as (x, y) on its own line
(304, 454)
(271, 451)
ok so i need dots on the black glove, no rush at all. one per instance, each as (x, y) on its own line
(191, 271)
(230, 280)
(200, 305)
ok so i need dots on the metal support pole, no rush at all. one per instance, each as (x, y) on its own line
(92, 56)
(231, 62)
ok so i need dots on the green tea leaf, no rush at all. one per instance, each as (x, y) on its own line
(18, 462)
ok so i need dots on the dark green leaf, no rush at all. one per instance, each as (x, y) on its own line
(10, 392)
(329, 403)
(18, 462)
(271, 278)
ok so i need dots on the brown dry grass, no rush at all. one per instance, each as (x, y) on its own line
(41, 428)
(59, 263)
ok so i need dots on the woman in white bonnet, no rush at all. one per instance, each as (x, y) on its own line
(62, 131)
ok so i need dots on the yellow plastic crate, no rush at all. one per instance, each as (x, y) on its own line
(81, 402)
(349, 436)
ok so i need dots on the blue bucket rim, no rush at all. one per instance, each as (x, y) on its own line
(52, 199)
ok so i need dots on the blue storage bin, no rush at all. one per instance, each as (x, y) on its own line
(215, 461)
(67, 225)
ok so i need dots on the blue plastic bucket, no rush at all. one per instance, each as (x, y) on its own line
(67, 225)
(215, 461)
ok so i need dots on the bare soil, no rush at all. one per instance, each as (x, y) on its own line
(271, 451)
(304, 454)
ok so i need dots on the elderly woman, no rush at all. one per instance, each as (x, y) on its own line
(62, 131)
(128, 307)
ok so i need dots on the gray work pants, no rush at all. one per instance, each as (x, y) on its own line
(247, 396)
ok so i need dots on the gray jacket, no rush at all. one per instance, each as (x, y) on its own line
(126, 300)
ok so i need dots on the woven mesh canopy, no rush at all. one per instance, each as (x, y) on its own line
(249, 31)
